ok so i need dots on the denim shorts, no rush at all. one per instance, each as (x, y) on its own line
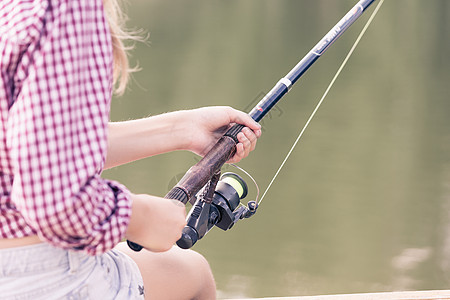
(44, 272)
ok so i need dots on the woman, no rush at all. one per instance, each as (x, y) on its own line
(59, 220)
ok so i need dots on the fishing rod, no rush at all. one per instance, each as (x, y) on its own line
(219, 197)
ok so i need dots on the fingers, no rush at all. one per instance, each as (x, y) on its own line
(247, 143)
(247, 137)
(216, 120)
(240, 117)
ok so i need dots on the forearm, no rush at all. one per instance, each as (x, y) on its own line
(132, 140)
(194, 130)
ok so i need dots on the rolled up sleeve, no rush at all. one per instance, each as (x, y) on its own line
(57, 133)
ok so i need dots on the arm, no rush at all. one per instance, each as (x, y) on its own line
(57, 133)
(194, 130)
(132, 140)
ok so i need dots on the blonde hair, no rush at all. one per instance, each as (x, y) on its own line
(116, 20)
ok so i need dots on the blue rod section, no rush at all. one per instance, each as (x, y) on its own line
(284, 85)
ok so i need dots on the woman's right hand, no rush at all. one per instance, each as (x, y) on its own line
(156, 223)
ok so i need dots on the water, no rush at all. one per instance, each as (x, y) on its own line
(363, 203)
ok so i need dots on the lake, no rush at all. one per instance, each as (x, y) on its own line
(362, 205)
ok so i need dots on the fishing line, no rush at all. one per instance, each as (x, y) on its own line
(363, 31)
(251, 177)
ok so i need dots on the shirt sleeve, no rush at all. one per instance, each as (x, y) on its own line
(57, 133)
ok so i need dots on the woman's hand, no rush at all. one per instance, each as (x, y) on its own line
(196, 130)
(156, 223)
(206, 125)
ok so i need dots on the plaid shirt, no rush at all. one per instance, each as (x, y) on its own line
(55, 92)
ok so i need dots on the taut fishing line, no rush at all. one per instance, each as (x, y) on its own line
(363, 31)
(217, 197)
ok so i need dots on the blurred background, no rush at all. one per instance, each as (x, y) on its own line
(363, 203)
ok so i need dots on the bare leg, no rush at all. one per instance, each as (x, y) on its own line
(173, 275)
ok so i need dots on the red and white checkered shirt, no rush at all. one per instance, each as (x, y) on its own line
(55, 92)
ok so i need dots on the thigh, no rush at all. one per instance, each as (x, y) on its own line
(175, 274)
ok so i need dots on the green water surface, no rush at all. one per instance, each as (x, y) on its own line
(363, 203)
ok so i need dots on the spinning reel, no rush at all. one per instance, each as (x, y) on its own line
(217, 204)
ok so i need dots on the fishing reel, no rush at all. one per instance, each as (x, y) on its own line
(217, 204)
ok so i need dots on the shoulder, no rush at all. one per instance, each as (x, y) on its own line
(21, 21)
